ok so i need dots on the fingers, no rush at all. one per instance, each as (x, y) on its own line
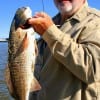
(34, 21)
(37, 18)
(40, 14)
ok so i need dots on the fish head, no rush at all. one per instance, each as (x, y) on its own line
(21, 16)
(17, 35)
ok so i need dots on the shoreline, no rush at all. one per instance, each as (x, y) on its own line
(3, 39)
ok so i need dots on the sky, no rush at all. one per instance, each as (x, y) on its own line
(9, 7)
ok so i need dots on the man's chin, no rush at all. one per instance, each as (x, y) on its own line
(67, 10)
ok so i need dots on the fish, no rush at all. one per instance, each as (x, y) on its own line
(22, 53)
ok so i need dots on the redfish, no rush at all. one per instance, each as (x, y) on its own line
(21, 56)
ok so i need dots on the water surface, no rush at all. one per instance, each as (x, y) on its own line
(4, 94)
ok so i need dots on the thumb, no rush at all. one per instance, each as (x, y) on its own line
(33, 21)
(30, 20)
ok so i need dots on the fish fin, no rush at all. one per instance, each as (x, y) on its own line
(35, 86)
(8, 81)
(23, 45)
(25, 41)
(36, 48)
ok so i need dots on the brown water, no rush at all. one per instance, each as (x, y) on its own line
(4, 94)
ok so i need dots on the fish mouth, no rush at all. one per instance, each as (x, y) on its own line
(25, 25)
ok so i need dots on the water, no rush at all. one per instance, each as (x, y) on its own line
(4, 94)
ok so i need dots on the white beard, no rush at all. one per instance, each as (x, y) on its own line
(65, 9)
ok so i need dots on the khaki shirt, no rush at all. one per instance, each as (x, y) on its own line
(68, 64)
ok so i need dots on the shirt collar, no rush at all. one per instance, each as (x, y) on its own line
(82, 13)
(79, 16)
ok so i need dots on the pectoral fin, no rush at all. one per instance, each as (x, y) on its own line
(35, 86)
(23, 46)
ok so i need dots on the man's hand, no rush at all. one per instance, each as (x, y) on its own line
(40, 22)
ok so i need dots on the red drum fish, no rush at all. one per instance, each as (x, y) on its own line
(21, 56)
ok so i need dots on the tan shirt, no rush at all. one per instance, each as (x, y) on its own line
(68, 67)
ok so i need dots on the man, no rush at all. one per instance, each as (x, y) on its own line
(69, 61)
(68, 64)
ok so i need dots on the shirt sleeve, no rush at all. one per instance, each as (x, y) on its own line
(79, 58)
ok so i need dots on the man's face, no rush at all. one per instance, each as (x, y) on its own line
(68, 6)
